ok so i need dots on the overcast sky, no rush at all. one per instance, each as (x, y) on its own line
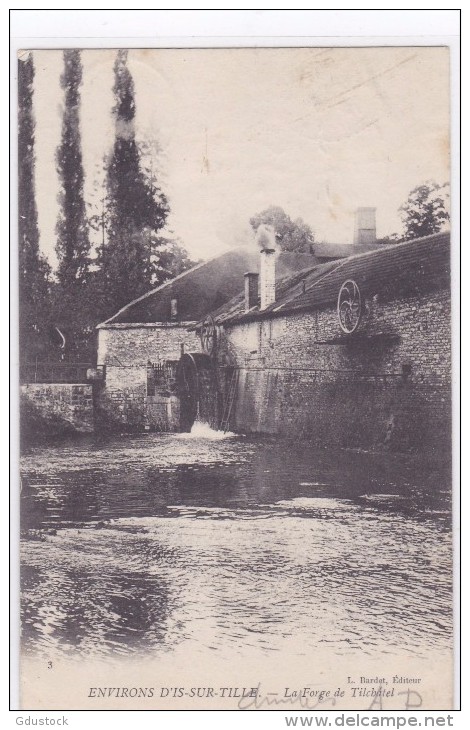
(317, 131)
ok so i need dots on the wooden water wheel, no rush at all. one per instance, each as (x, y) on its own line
(196, 388)
(209, 336)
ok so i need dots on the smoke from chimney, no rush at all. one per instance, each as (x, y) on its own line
(269, 250)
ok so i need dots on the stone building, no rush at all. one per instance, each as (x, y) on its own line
(139, 347)
(348, 345)
(353, 352)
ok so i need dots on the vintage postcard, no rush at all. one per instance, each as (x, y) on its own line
(235, 379)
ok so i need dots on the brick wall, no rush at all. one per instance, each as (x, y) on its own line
(360, 394)
(125, 351)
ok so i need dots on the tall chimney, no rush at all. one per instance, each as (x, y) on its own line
(364, 227)
(266, 240)
(251, 290)
(267, 277)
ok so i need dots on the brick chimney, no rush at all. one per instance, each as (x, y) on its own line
(251, 290)
(364, 227)
(266, 240)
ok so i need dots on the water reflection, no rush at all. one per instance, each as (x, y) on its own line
(91, 611)
(156, 542)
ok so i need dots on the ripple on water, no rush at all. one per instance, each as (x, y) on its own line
(148, 554)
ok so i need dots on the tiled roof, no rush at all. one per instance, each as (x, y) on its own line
(341, 250)
(203, 288)
(391, 271)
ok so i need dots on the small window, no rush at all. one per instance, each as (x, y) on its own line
(161, 377)
(406, 371)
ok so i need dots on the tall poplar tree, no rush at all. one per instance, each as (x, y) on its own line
(137, 208)
(72, 301)
(34, 271)
(73, 244)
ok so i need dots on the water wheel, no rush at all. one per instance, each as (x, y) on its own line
(197, 390)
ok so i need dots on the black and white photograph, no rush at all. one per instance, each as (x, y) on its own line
(235, 378)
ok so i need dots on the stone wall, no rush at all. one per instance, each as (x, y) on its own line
(125, 352)
(421, 327)
(67, 404)
(387, 385)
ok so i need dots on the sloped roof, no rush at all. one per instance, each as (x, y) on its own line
(203, 288)
(342, 250)
(391, 271)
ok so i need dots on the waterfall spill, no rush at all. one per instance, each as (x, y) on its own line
(201, 430)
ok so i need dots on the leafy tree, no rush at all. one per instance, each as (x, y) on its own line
(169, 260)
(292, 235)
(34, 271)
(426, 210)
(74, 312)
(136, 206)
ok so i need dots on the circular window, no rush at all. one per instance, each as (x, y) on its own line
(349, 307)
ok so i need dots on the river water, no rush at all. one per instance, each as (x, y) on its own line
(162, 543)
